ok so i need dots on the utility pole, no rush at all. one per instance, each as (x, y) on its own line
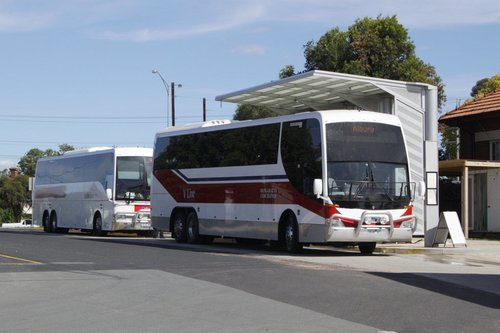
(172, 90)
(204, 109)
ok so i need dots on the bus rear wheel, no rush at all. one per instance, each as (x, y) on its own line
(46, 222)
(291, 236)
(180, 228)
(193, 235)
(53, 222)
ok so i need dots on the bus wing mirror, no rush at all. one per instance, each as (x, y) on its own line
(317, 187)
(109, 193)
(420, 189)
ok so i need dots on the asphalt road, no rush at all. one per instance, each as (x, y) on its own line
(79, 283)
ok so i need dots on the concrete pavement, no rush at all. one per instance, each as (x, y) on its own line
(481, 250)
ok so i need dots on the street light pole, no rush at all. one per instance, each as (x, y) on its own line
(165, 84)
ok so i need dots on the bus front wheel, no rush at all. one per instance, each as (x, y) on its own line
(97, 226)
(291, 236)
(180, 228)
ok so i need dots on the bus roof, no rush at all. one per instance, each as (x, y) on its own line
(328, 116)
(119, 151)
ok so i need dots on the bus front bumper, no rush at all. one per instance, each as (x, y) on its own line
(140, 221)
(370, 234)
(366, 231)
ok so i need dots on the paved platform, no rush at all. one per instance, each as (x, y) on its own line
(475, 250)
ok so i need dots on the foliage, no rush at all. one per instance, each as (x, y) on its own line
(448, 145)
(27, 163)
(247, 111)
(378, 47)
(485, 86)
(14, 196)
(64, 147)
(369, 47)
(478, 86)
(286, 71)
(6, 215)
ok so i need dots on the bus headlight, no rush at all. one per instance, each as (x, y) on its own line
(123, 218)
(408, 223)
(337, 223)
(376, 219)
(142, 216)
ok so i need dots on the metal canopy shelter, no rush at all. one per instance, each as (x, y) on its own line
(414, 103)
(321, 90)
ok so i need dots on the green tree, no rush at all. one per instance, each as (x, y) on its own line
(378, 47)
(486, 86)
(65, 147)
(6, 215)
(14, 196)
(287, 71)
(27, 163)
(247, 111)
(480, 85)
(449, 143)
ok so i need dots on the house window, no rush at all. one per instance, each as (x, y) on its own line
(495, 150)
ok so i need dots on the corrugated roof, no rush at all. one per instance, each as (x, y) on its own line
(314, 90)
(485, 104)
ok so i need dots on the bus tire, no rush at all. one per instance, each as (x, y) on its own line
(192, 232)
(180, 227)
(46, 221)
(97, 226)
(367, 247)
(291, 235)
(53, 222)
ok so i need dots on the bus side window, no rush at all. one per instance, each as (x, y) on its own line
(301, 153)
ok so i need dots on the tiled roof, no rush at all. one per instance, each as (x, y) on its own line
(485, 104)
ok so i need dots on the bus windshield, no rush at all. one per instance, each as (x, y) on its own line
(367, 166)
(133, 178)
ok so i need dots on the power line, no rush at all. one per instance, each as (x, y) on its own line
(72, 143)
(80, 122)
(79, 117)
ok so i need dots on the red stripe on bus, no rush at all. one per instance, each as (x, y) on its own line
(268, 193)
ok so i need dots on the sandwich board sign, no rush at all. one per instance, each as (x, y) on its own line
(449, 224)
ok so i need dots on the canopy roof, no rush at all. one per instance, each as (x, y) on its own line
(314, 90)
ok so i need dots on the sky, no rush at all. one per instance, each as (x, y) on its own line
(80, 71)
